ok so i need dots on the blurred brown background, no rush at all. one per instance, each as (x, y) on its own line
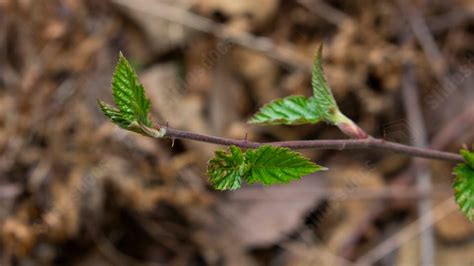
(77, 190)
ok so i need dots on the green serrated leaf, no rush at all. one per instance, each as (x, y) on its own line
(276, 165)
(267, 165)
(297, 110)
(128, 93)
(326, 104)
(132, 105)
(293, 110)
(225, 170)
(464, 189)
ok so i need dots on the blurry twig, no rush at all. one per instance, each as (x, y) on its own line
(423, 35)
(450, 19)
(427, 42)
(455, 128)
(281, 53)
(423, 176)
(348, 247)
(326, 11)
(411, 230)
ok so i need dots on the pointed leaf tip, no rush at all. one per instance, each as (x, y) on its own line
(298, 110)
(320, 51)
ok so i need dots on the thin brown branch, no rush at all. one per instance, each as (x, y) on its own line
(449, 134)
(338, 144)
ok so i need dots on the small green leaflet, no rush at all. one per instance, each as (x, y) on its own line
(464, 184)
(276, 165)
(129, 96)
(225, 170)
(267, 165)
(297, 110)
(292, 110)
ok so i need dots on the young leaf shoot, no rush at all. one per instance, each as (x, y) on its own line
(133, 107)
(263, 163)
(297, 110)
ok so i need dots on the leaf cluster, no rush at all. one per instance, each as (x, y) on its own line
(133, 106)
(227, 170)
(267, 165)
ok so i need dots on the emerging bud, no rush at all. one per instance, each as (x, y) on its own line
(352, 130)
(348, 127)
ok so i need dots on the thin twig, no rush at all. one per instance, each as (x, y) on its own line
(348, 247)
(425, 38)
(423, 175)
(423, 35)
(450, 133)
(454, 129)
(451, 19)
(338, 144)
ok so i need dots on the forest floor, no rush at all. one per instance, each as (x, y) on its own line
(77, 190)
